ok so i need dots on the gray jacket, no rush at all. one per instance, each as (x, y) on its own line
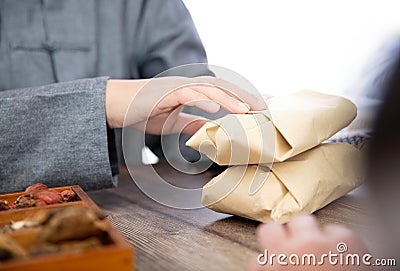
(54, 132)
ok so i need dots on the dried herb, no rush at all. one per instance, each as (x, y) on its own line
(39, 195)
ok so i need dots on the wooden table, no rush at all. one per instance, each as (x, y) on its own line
(165, 238)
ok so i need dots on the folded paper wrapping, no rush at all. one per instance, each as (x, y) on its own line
(302, 184)
(292, 125)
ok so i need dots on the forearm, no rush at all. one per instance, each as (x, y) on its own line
(54, 134)
(118, 95)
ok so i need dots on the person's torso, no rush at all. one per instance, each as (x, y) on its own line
(44, 42)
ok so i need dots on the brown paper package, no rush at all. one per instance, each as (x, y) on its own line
(292, 125)
(302, 184)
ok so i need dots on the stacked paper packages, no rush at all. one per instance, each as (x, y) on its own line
(279, 165)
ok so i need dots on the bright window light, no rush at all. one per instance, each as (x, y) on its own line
(284, 46)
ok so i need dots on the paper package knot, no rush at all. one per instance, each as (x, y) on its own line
(278, 165)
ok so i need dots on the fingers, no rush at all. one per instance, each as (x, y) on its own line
(207, 98)
(340, 234)
(303, 224)
(271, 234)
(337, 230)
(206, 105)
(253, 265)
(266, 96)
(226, 101)
(274, 235)
(206, 94)
(179, 122)
(250, 96)
(247, 94)
(185, 96)
(189, 97)
(167, 124)
(303, 235)
(192, 125)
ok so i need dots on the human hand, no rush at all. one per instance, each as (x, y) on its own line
(303, 235)
(155, 105)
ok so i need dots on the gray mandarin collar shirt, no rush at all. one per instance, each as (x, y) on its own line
(55, 132)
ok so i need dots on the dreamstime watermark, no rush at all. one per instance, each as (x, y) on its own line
(339, 257)
(146, 100)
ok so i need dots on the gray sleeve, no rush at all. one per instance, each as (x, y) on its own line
(54, 134)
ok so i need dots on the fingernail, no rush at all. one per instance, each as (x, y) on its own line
(214, 106)
(244, 106)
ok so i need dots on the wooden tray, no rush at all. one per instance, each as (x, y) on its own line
(115, 256)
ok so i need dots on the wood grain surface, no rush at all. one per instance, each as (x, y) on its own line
(165, 238)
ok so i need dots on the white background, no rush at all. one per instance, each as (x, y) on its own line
(284, 46)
